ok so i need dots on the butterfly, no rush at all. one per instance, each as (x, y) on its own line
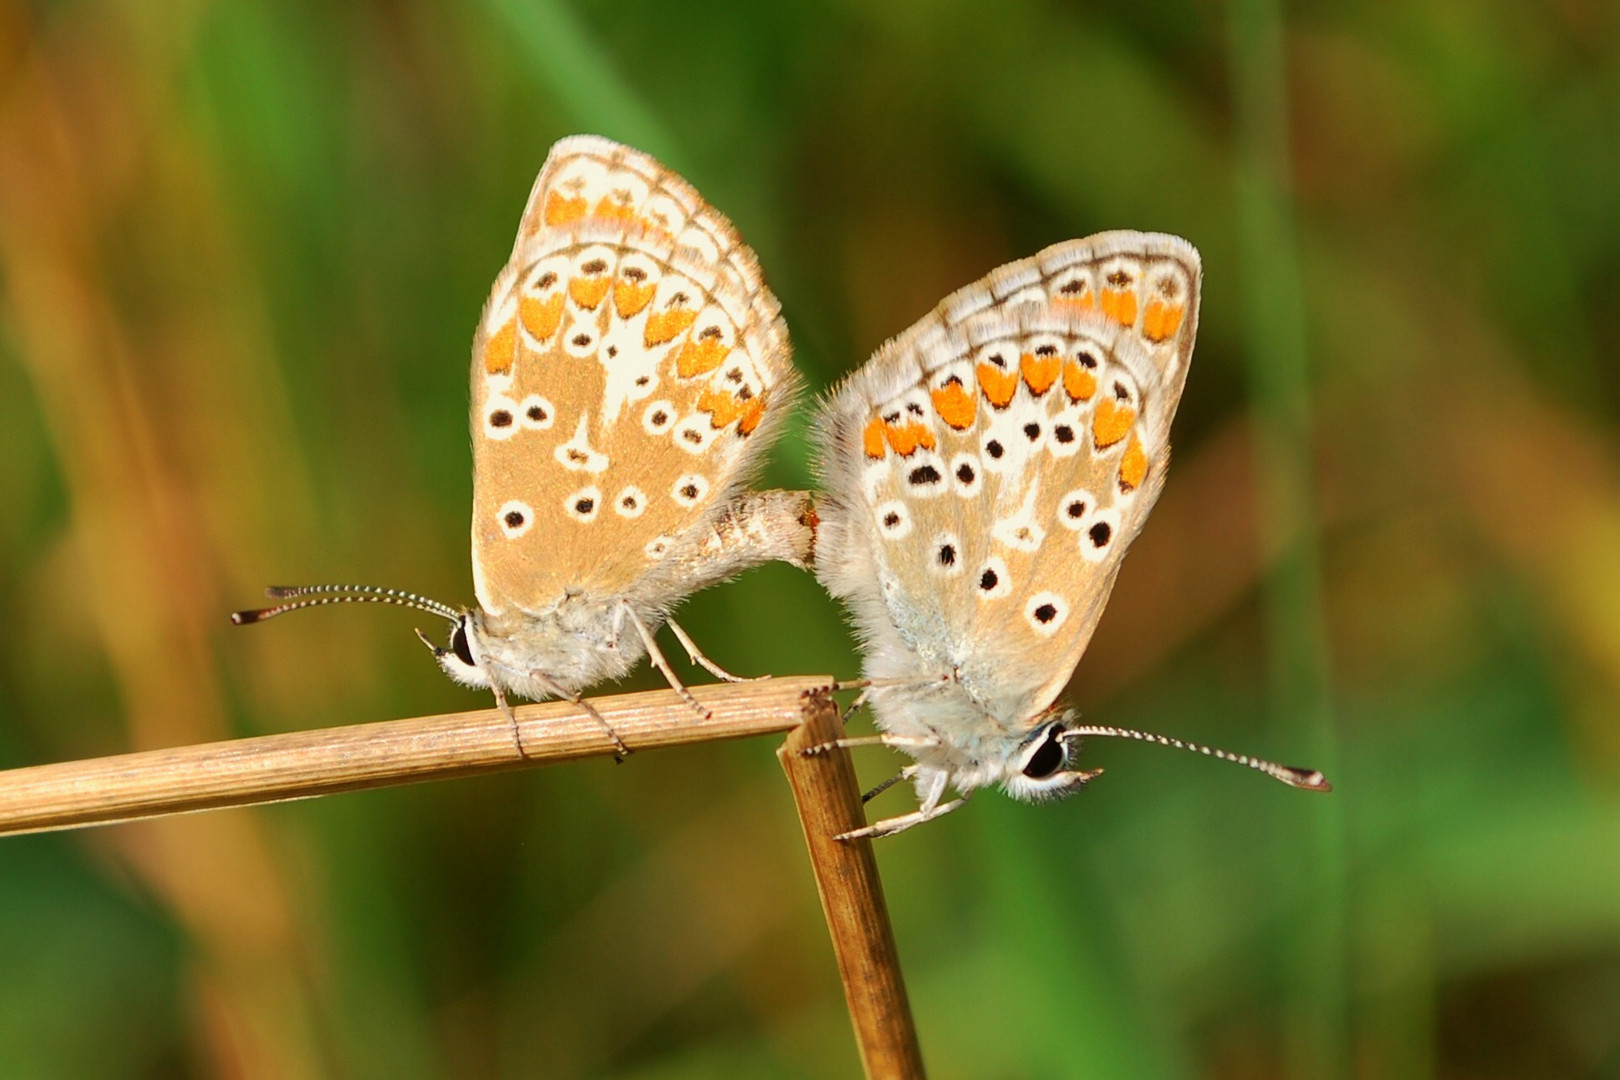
(984, 474)
(629, 372)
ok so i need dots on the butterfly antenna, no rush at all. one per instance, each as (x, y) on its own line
(308, 596)
(1309, 779)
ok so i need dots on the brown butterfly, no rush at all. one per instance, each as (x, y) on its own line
(629, 372)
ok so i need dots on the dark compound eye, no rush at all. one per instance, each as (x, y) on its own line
(1047, 759)
(459, 646)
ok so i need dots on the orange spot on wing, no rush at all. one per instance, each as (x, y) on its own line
(562, 210)
(663, 326)
(1040, 372)
(1084, 300)
(872, 437)
(610, 209)
(1133, 466)
(998, 385)
(501, 349)
(630, 298)
(541, 317)
(722, 408)
(1111, 423)
(588, 291)
(1078, 383)
(1120, 305)
(700, 356)
(955, 405)
(1161, 320)
(905, 438)
(753, 411)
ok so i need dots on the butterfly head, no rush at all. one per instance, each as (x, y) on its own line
(462, 658)
(1040, 770)
(1043, 768)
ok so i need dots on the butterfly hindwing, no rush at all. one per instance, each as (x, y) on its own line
(628, 372)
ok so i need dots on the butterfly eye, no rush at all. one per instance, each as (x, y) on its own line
(459, 646)
(1049, 756)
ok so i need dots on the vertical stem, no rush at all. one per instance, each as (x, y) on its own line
(829, 803)
(1300, 697)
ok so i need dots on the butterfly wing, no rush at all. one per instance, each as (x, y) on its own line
(987, 470)
(629, 370)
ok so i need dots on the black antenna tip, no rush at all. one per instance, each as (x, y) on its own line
(242, 618)
(1308, 779)
(281, 592)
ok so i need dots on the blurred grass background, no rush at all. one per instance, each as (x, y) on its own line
(242, 250)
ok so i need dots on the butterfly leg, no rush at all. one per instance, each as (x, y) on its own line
(620, 752)
(891, 826)
(931, 788)
(658, 661)
(904, 774)
(896, 742)
(697, 657)
(506, 707)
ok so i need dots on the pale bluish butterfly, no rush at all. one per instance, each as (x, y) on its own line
(984, 474)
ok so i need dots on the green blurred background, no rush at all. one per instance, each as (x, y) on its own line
(242, 250)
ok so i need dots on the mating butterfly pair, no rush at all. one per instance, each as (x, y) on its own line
(984, 473)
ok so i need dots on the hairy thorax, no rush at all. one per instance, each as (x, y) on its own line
(971, 746)
(579, 642)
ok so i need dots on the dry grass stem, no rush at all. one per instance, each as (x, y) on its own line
(829, 802)
(301, 765)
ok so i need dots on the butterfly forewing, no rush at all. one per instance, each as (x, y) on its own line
(991, 465)
(627, 371)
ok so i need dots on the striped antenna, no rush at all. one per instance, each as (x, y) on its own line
(1309, 779)
(321, 595)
